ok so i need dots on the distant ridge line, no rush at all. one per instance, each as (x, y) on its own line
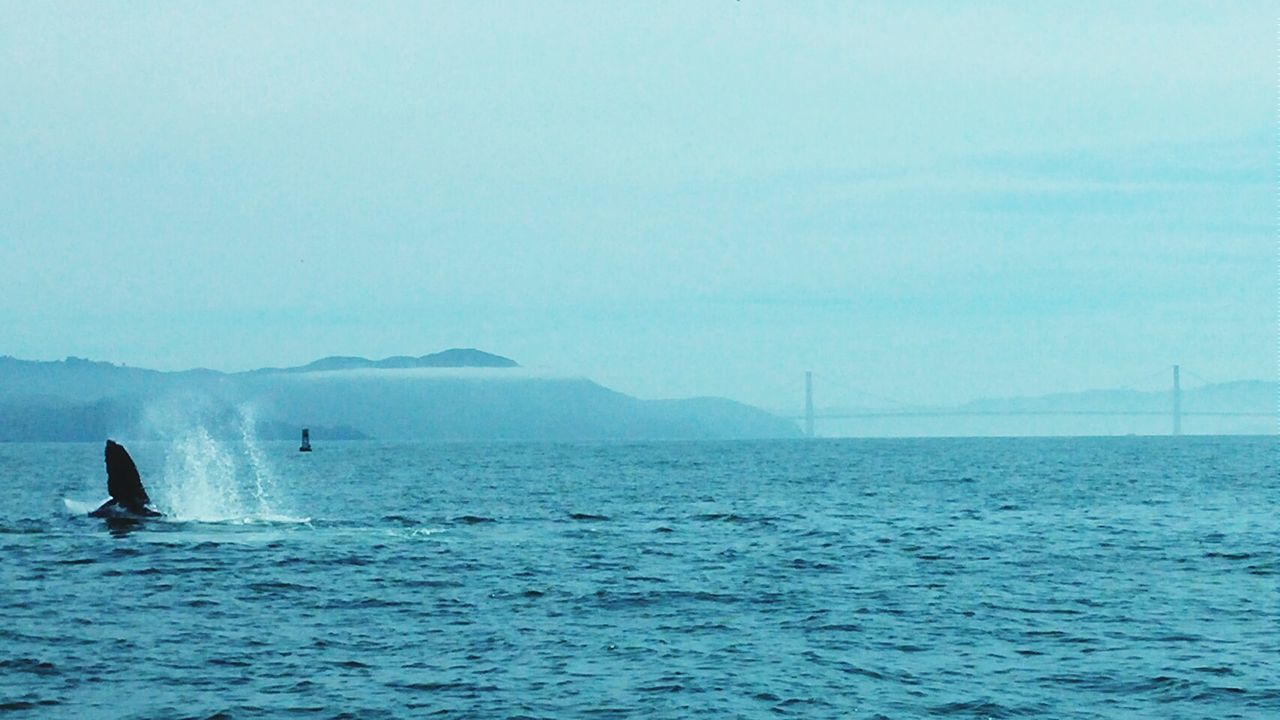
(451, 358)
(1000, 413)
(81, 400)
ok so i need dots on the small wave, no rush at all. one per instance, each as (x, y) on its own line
(351, 560)
(1229, 556)
(799, 705)
(851, 669)
(840, 628)
(734, 518)
(976, 708)
(473, 519)
(286, 688)
(278, 586)
(29, 665)
(27, 704)
(363, 603)
(25, 526)
(613, 599)
(803, 564)
(442, 687)
(430, 583)
(661, 688)
(415, 532)
(401, 519)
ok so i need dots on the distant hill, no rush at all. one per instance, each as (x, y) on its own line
(1244, 396)
(352, 398)
(453, 358)
(1244, 407)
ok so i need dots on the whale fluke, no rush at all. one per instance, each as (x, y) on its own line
(124, 484)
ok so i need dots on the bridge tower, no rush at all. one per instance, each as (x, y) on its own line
(1177, 400)
(808, 403)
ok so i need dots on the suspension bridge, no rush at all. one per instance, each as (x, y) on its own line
(896, 409)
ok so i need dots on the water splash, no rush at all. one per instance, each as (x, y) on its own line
(264, 478)
(200, 481)
(79, 507)
(212, 480)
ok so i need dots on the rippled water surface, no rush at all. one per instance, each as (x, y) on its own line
(1064, 578)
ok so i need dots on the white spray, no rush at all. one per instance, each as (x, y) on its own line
(210, 480)
(264, 479)
(200, 480)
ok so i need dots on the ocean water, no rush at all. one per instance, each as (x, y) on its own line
(985, 578)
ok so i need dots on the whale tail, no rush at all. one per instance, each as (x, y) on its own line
(124, 485)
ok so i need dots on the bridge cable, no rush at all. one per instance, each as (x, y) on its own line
(1197, 376)
(1134, 385)
(866, 393)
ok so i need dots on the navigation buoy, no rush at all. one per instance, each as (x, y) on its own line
(306, 441)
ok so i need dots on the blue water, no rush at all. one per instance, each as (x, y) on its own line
(1063, 578)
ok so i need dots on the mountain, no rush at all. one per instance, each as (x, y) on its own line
(458, 394)
(453, 358)
(1244, 407)
(1241, 396)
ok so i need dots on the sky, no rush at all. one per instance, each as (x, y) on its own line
(924, 201)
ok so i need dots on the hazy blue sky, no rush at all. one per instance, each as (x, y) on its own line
(931, 200)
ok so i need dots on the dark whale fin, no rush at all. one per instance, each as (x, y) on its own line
(123, 482)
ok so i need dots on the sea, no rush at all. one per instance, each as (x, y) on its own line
(1119, 577)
